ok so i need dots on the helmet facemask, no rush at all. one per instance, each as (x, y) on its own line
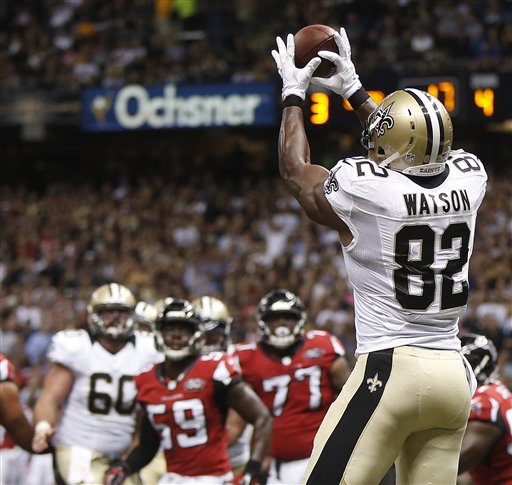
(281, 302)
(179, 311)
(410, 132)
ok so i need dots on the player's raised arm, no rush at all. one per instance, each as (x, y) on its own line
(303, 179)
(346, 81)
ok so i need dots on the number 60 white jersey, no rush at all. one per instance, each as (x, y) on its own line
(99, 413)
(413, 237)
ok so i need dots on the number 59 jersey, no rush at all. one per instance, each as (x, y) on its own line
(412, 240)
(99, 413)
(189, 414)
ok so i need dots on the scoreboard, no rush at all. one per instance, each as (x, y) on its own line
(472, 98)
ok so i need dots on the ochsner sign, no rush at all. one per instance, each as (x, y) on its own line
(135, 107)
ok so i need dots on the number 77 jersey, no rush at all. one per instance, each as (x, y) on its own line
(409, 258)
(296, 389)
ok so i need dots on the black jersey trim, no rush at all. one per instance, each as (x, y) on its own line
(430, 182)
(428, 122)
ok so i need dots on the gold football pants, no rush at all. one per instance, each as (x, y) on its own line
(407, 405)
(63, 464)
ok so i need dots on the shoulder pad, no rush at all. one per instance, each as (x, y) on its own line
(67, 346)
(242, 347)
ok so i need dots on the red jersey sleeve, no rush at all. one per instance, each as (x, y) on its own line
(486, 408)
(492, 404)
(7, 372)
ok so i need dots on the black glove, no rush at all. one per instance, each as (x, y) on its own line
(117, 472)
(252, 473)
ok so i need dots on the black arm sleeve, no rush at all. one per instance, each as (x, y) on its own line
(147, 448)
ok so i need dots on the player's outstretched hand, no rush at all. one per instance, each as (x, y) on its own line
(43, 431)
(345, 81)
(295, 81)
(253, 474)
(117, 473)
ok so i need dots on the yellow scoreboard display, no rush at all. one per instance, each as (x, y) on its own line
(446, 89)
(471, 98)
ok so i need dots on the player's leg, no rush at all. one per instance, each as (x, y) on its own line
(287, 472)
(174, 479)
(364, 429)
(431, 455)
(40, 470)
(156, 469)
(13, 465)
(75, 464)
(61, 464)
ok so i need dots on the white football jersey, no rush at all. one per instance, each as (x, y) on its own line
(408, 260)
(99, 413)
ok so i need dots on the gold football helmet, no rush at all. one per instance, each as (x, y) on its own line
(160, 304)
(216, 323)
(112, 296)
(411, 132)
(145, 316)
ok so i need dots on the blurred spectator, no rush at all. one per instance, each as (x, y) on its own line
(333, 317)
(38, 342)
(74, 44)
(237, 250)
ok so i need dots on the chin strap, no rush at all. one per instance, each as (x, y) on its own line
(389, 160)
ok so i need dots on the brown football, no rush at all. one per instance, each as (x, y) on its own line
(311, 39)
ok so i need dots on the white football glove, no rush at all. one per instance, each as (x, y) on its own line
(345, 82)
(295, 81)
(43, 431)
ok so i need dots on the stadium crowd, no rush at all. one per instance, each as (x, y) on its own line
(161, 238)
(69, 44)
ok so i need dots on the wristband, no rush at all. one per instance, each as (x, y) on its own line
(127, 469)
(43, 427)
(253, 468)
(358, 98)
(293, 100)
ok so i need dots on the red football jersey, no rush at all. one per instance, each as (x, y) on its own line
(297, 390)
(189, 415)
(493, 404)
(7, 373)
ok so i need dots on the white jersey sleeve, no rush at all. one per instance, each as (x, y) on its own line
(412, 240)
